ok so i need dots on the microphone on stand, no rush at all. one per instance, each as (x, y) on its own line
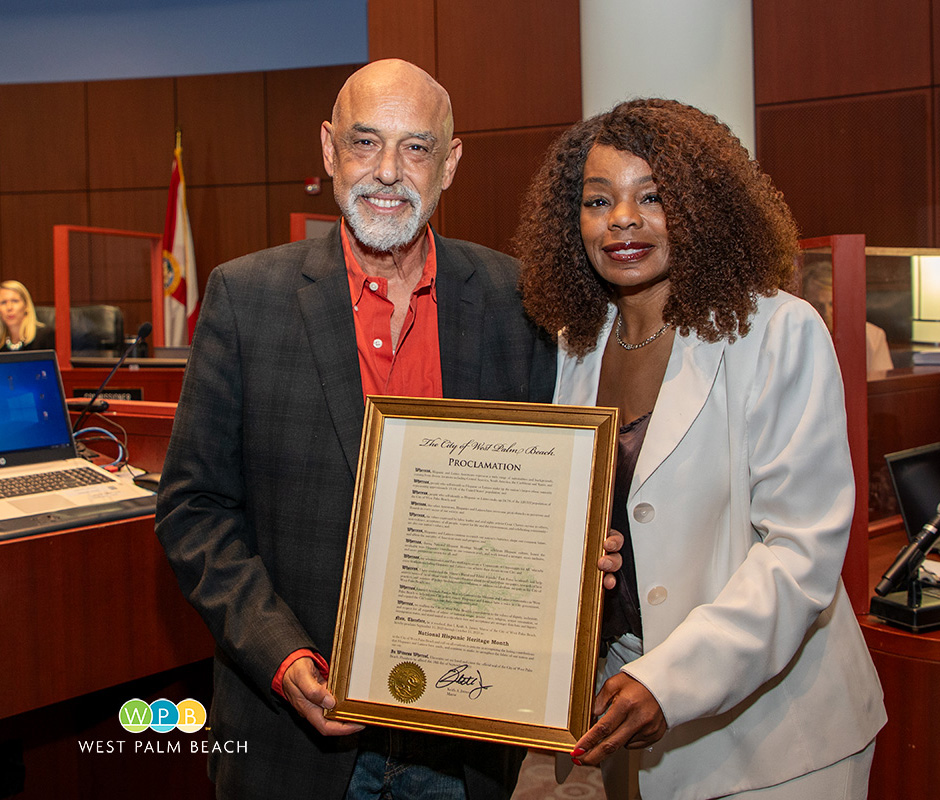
(142, 333)
(911, 557)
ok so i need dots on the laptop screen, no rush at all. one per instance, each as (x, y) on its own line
(34, 421)
(915, 474)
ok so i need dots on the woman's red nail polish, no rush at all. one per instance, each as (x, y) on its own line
(577, 752)
(577, 761)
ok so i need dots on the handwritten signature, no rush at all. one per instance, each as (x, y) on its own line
(457, 676)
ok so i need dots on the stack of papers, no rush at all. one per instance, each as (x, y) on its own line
(925, 357)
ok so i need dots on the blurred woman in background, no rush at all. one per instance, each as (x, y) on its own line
(19, 328)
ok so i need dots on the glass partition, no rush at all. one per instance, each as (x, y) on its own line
(107, 283)
(902, 308)
(903, 299)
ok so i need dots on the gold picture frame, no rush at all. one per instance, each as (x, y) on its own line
(471, 597)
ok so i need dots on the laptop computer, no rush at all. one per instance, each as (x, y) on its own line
(915, 474)
(44, 484)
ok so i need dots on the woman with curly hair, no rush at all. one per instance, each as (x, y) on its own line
(19, 328)
(657, 252)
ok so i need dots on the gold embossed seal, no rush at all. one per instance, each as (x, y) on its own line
(407, 682)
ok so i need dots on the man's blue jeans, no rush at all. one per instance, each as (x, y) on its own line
(400, 765)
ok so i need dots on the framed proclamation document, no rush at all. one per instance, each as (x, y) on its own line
(471, 596)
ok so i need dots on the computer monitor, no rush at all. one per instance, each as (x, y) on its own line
(915, 474)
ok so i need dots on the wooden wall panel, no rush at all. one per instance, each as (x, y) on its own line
(26, 247)
(289, 198)
(482, 205)
(860, 165)
(81, 279)
(120, 269)
(524, 79)
(935, 14)
(124, 278)
(404, 29)
(42, 137)
(222, 119)
(298, 100)
(131, 137)
(810, 49)
(132, 210)
(935, 145)
(120, 276)
(227, 221)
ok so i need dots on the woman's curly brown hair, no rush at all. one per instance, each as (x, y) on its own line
(731, 236)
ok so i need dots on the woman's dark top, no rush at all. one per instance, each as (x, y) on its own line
(622, 603)
(43, 340)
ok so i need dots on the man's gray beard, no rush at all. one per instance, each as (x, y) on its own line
(383, 235)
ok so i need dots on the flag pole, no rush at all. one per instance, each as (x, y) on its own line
(180, 288)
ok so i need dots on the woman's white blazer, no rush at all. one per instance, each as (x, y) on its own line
(739, 510)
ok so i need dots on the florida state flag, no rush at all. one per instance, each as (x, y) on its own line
(180, 286)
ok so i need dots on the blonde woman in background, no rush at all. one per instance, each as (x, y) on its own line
(19, 328)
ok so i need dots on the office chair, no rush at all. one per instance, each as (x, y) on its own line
(94, 327)
(97, 327)
(46, 315)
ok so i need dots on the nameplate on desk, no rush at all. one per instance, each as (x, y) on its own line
(111, 394)
(131, 363)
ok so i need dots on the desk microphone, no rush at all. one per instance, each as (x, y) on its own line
(142, 333)
(911, 557)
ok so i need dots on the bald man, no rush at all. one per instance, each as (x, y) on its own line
(258, 482)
